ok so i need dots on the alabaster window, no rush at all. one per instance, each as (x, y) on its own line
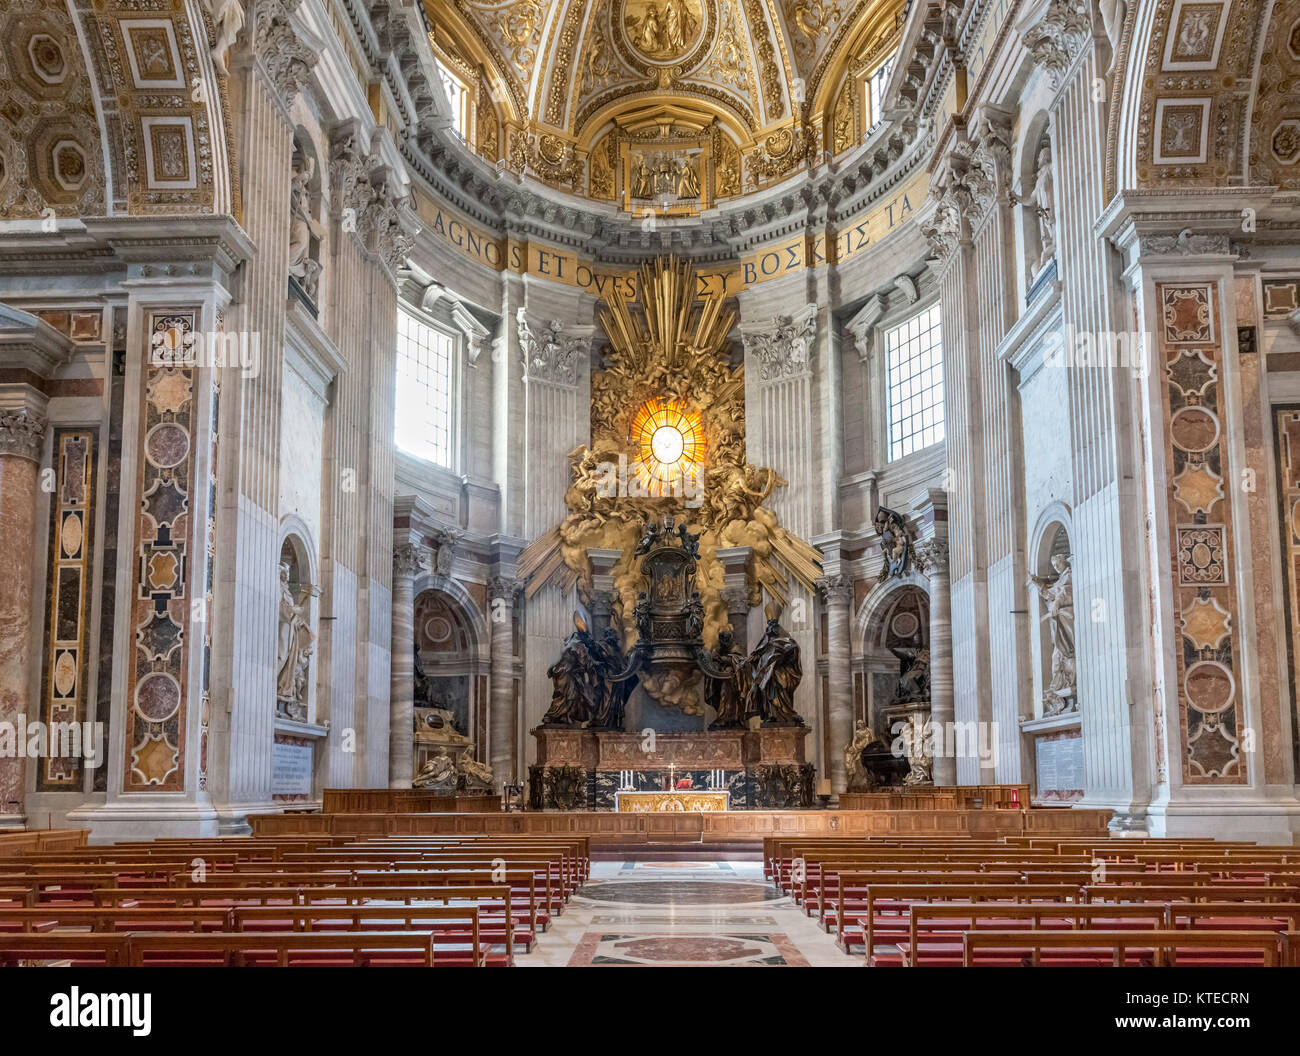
(915, 366)
(424, 416)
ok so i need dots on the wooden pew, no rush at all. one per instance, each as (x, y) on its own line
(1159, 948)
(83, 949)
(935, 929)
(899, 897)
(281, 949)
(114, 918)
(455, 928)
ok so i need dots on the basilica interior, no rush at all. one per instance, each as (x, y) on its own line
(662, 430)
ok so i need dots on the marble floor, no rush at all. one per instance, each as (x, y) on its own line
(683, 914)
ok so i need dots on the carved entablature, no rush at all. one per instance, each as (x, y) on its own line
(783, 348)
(550, 353)
(1185, 243)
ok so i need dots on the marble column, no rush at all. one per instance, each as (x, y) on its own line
(502, 592)
(408, 560)
(22, 441)
(932, 557)
(735, 561)
(837, 594)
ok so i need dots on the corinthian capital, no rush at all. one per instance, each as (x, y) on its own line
(836, 590)
(279, 45)
(507, 588)
(783, 348)
(551, 353)
(408, 559)
(22, 434)
(931, 555)
(1054, 32)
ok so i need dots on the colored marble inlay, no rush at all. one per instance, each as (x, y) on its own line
(68, 596)
(161, 609)
(1210, 717)
(758, 950)
(1286, 424)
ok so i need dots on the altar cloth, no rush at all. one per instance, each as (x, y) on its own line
(681, 801)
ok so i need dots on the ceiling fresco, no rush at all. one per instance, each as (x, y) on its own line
(710, 98)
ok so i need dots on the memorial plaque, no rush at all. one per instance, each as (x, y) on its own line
(291, 769)
(1058, 759)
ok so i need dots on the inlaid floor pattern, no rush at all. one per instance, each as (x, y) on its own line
(683, 914)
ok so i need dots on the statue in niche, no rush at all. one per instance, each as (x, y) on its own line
(726, 696)
(895, 544)
(577, 678)
(294, 647)
(303, 228)
(423, 688)
(227, 21)
(775, 672)
(913, 674)
(860, 779)
(438, 774)
(1057, 594)
(1042, 201)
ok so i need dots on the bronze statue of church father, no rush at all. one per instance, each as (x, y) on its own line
(750, 739)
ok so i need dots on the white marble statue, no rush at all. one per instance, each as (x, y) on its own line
(303, 226)
(227, 20)
(294, 647)
(1112, 20)
(1057, 593)
(1042, 200)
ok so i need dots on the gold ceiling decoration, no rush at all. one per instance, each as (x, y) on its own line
(751, 75)
(669, 352)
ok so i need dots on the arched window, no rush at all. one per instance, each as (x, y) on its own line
(875, 85)
(458, 97)
(424, 418)
(914, 364)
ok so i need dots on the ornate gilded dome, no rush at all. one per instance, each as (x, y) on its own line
(663, 105)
